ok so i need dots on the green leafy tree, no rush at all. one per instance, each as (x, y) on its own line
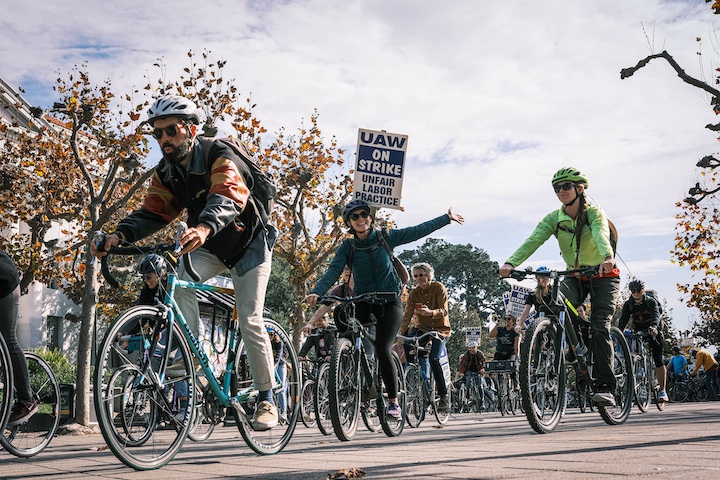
(469, 275)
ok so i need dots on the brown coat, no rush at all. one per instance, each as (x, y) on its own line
(436, 299)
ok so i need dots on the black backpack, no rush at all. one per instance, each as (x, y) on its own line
(263, 189)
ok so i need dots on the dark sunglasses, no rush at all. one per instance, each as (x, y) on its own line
(416, 275)
(148, 276)
(170, 131)
(508, 318)
(563, 186)
(635, 291)
(362, 214)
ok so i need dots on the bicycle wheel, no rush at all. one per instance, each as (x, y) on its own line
(268, 442)
(322, 400)
(415, 397)
(503, 395)
(202, 424)
(624, 388)
(307, 402)
(368, 410)
(542, 376)
(392, 427)
(642, 381)
(461, 397)
(513, 397)
(679, 392)
(31, 437)
(441, 417)
(344, 389)
(136, 416)
(6, 384)
(150, 433)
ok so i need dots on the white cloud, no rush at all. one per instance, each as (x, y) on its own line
(495, 96)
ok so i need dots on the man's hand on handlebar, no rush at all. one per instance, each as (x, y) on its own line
(506, 270)
(112, 240)
(312, 299)
(194, 238)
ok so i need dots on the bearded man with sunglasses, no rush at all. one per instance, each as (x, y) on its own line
(583, 233)
(223, 236)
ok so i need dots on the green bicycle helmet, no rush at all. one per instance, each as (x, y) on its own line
(571, 174)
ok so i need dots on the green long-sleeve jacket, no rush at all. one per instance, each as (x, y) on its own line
(594, 241)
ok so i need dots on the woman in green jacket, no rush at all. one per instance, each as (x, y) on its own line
(583, 234)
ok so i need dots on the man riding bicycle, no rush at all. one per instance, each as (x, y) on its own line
(583, 234)
(472, 362)
(645, 313)
(225, 234)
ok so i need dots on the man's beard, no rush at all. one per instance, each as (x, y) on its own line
(178, 153)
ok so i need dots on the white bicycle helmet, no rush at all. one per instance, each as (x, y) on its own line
(174, 106)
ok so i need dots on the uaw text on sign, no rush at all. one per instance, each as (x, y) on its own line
(380, 167)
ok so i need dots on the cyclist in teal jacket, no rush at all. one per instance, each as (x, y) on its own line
(583, 234)
(373, 271)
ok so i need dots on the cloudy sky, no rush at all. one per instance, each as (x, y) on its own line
(494, 96)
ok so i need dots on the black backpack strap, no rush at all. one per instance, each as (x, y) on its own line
(383, 235)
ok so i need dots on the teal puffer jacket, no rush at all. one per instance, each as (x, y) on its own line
(371, 266)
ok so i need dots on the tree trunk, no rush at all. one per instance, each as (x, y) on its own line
(85, 343)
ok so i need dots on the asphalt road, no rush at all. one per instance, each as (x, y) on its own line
(681, 442)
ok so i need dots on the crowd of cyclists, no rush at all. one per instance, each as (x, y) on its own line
(226, 235)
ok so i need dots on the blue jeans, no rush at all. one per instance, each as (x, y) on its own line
(432, 360)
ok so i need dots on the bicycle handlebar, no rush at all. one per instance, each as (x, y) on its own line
(99, 240)
(422, 338)
(577, 272)
(369, 297)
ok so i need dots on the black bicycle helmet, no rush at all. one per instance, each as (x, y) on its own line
(676, 349)
(351, 207)
(174, 106)
(153, 263)
(636, 285)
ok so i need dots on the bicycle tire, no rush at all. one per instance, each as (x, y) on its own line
(513, 395)
(624, 382)
(461, 398)
(441, 417)
(542, 376)
(476, 398)
(6, 384)
(641, 374)
(202, 426)
(391, 427)
(272, 441)
(502, 395)
(136, 415)
(415, 396)
(322, 400)
(30, 438)
(167, 435)
(307, 402)
(344, 389)
(679, 392)
(368, 411)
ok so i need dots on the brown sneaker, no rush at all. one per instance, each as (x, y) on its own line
(21, 413)
(266, 416)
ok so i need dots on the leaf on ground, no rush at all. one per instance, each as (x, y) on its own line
(346, 473)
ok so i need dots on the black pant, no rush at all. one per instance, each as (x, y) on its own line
(8, 324)
(389, 318)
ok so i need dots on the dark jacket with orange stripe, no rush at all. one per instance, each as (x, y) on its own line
(214, 192)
